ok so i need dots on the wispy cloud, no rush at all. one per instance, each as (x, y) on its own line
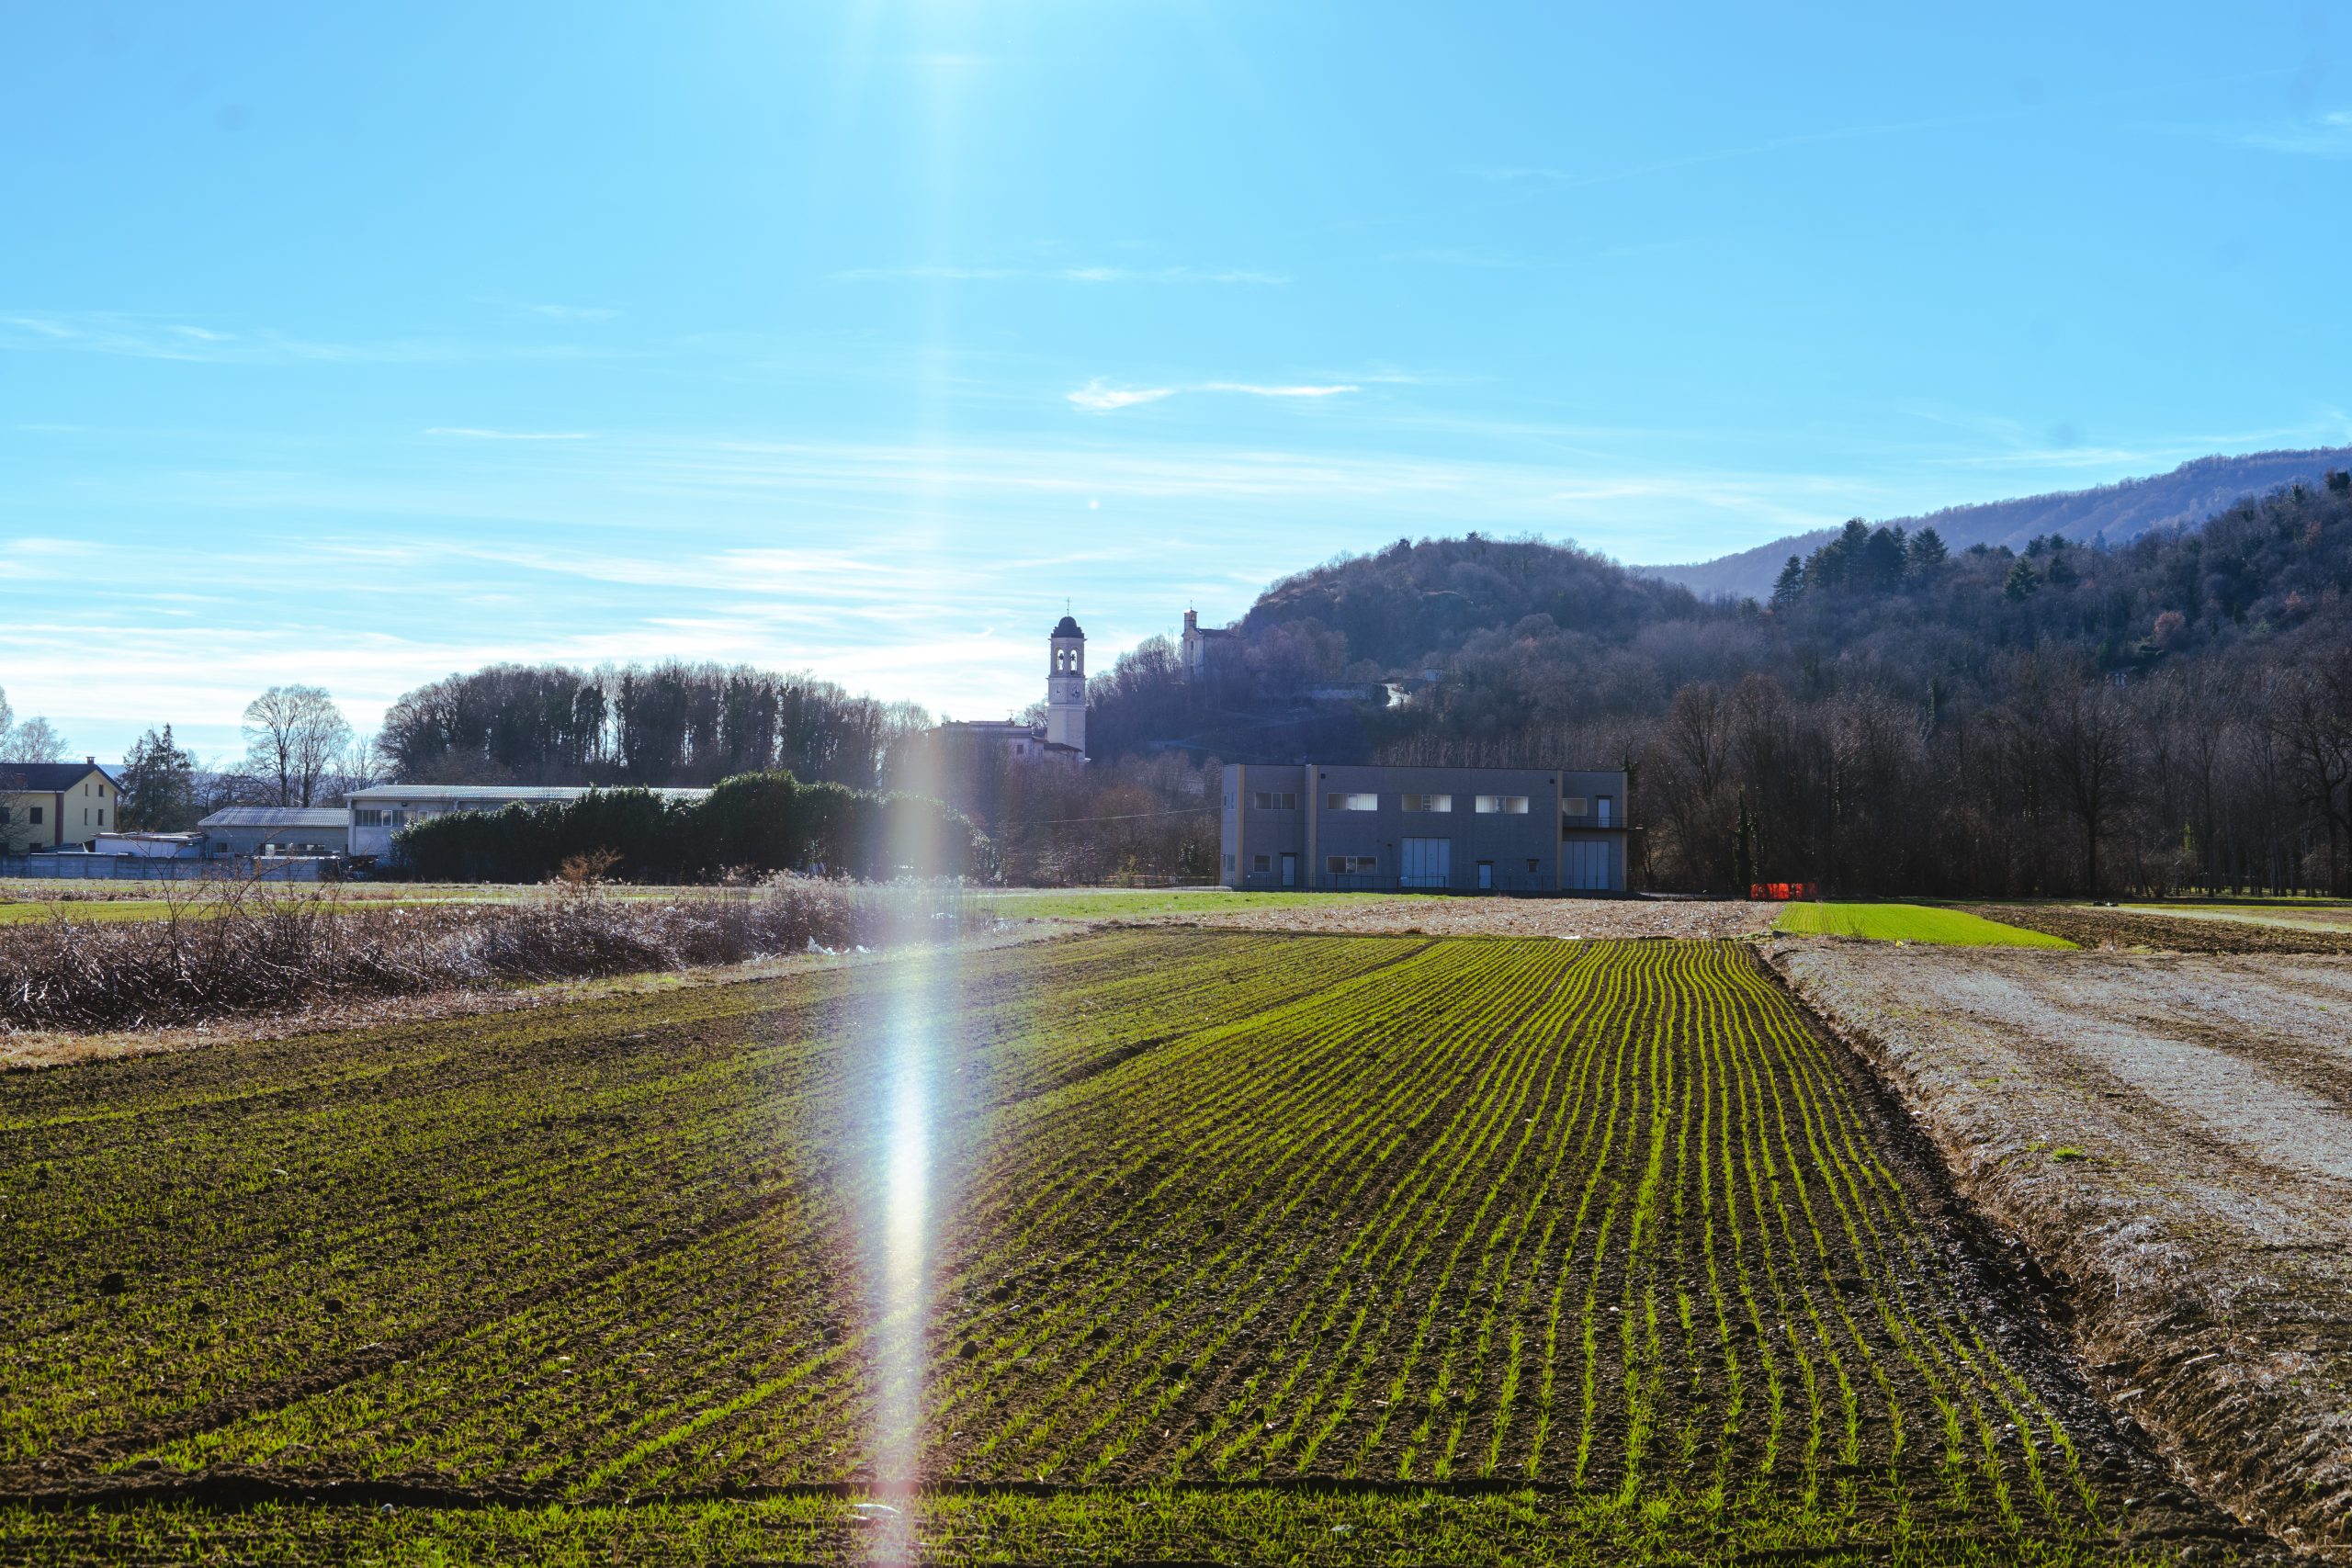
(2328, 136)
(1097, 397)
(1257, 390)
(475, 433)
(135, 337)
(1087, 274)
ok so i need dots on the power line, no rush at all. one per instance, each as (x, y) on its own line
(1126, 816)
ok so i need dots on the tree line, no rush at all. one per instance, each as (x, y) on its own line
(751, 824)
(667, 725)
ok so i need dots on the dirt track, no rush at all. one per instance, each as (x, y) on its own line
(2172, 1138)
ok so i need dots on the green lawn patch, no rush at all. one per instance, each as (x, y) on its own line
(1909, 922)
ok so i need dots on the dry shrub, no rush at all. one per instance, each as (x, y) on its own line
(248, 950)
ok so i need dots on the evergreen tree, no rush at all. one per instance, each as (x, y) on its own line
(1789, 587)
(1926, 555)
(158, 785)
(1882, 559)
(2023, 582)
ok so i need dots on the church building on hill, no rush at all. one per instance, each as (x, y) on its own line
(1062, 737)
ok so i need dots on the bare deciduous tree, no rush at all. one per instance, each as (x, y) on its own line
(296, 737)
(35, 740)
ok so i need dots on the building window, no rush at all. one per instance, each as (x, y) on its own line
(1228, 800)
(1339, 800)
(1429, 802)
(33, 815)
(1601, 804)
(102, 815)
(1276, 800)
(1531, 863)
(1503, 804)
(368, 816)
(1228, 863)
(1575, 805)
(1350, 865)
(1261, 863)
(4, 816)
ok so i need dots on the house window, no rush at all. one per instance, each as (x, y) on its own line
(1276, 800)
(33, 816)
(1575, 805)
(1429, 802)
(368, 816)
(1503, 804)
(4, 816)
(102, 815)
(1349, 865)
(1339, 800)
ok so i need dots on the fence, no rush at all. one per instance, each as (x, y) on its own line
(151, 868)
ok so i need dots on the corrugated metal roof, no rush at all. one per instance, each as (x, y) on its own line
(277, 816)
(395, 794)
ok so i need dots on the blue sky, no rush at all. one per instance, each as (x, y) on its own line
(362, 344)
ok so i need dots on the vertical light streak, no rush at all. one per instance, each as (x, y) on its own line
(903, 1267)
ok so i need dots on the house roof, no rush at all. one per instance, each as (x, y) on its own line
(462, 794)
(278, 816)
(49, 776)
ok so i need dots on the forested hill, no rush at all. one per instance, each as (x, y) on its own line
(1409, 602)
(2117, 514)
(1896, 715)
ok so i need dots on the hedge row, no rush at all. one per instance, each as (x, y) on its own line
(754, 822)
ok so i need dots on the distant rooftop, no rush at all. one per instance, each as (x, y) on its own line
(277, 816)
(49, 776)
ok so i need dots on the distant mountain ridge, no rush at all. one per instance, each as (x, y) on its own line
(2121, 512)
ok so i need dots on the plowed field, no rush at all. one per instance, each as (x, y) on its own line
(1161, 1244)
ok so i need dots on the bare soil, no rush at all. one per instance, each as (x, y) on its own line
(2170, 1137)
(2183, 931)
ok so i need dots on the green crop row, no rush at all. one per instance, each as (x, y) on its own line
(1126, 1210)
(1909, 922)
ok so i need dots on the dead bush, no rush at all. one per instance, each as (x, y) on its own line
(246, 950)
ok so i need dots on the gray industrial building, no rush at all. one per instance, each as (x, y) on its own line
(276, 830)
(1334, 827)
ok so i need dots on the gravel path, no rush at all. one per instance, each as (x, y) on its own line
(2171, 1136)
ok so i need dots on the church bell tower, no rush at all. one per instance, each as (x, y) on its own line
(1065, 688)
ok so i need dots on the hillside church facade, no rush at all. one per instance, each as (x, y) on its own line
(1062, 737)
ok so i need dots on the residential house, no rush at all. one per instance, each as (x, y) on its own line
(48, 805)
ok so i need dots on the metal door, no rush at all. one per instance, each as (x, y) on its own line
(1290, 870)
